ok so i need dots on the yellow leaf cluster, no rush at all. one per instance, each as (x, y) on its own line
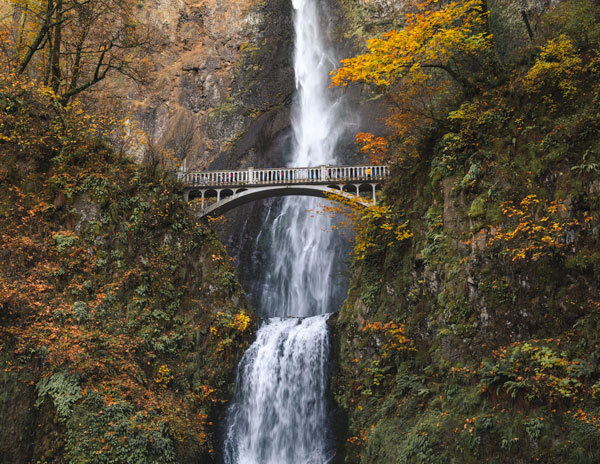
(430, 39)
(535, 228)
(559, 65)
(373, 225)
(394, 335)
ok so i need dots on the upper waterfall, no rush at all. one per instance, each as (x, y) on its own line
(301, 278)
(315, 119)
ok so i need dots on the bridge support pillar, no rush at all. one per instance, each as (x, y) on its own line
(357, 190)
(186, 195)
(218, 195)
(202, 192)
(374, 197)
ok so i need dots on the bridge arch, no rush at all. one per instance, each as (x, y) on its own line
(243, 196)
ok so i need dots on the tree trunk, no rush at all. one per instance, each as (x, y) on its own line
(527, 25)
(57, 42)
(34, 47)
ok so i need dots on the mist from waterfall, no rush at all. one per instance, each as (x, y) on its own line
(279, 413)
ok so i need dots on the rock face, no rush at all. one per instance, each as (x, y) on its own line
(222, 82)
(221, 71)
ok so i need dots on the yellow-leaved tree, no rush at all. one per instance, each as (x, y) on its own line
(433, 58)
(71, 45)
(371, 225)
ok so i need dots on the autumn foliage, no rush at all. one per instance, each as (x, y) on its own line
(432, 39)
(370, 225)
(71, 45)
(376, 147)
(391, 335)
(535, 228)
(99, 296)
(424, 64)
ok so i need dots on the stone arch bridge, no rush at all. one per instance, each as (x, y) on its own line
(222, 191)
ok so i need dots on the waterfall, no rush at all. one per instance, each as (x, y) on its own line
(279, 413)
(279, 416)
(300, 279)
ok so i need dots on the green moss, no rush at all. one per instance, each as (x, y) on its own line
(478, 207)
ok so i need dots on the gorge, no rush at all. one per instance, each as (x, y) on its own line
(454, 320)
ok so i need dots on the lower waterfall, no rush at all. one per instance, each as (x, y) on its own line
(280, 415)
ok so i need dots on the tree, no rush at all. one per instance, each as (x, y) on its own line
(432, 40)
(71, 45)
(419, 67)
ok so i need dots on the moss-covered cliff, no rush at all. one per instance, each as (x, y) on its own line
(121, 318)
(478, 339)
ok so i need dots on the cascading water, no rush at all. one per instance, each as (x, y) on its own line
(279, 414)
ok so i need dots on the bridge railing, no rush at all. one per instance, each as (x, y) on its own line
(251, 176)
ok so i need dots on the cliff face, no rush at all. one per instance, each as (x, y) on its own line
(476, 340)
(221, 79)
(221, 85)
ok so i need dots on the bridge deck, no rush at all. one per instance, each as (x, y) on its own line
(284, 176)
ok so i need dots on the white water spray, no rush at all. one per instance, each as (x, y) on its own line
(279, 414)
